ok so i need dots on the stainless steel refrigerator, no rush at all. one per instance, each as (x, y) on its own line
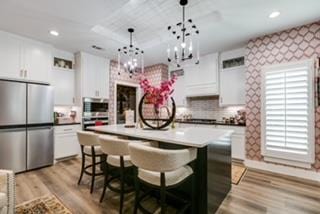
(26, 125)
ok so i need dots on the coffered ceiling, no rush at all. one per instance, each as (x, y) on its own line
(223, 24)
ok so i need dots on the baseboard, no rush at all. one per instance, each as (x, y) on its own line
(285, 170)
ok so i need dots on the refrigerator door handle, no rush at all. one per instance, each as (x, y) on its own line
(13, 130)
(40, 127)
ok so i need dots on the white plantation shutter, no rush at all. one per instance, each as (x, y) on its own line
(287, 111)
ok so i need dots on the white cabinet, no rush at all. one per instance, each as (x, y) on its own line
(23, 58)
(232, 80)
(202, 79)
(10, 62)
(66, 141)
(237, 139)
(63, 81)
(179, 93)
(37, 60)
(92, 76)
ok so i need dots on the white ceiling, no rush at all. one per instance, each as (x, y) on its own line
(223, 24)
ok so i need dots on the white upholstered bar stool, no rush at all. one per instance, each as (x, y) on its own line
(90, 147)
(161, 169)
(118, 165)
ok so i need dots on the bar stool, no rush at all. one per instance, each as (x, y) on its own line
(118, 165)
(90, 147)
(161, 169)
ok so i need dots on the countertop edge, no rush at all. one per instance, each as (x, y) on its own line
(96, 129)
(212, 124)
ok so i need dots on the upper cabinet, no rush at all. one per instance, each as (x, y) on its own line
(10, 62)
(232, 70)
(92, 76)
(63, 78)
(23, 58)
(179, 93)
(202, 79)
(37, 59)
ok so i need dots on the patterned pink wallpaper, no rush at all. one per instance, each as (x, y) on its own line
(290, 45)
(155, 73)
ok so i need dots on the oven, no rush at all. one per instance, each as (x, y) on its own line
(94, 121)
(94, 112)
(93, 107)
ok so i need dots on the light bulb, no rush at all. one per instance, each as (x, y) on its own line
(125, 65)
(175, 49)
(183, 45)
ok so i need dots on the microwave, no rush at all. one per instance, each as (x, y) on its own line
(93, 107)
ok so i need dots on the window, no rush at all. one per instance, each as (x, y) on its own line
(287, 113)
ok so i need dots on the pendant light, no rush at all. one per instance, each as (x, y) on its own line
(131, 57)
(185, 51)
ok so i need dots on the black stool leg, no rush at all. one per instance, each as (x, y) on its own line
(82, 164)
(137, 188)
(121, 183)
(163, 193)
(93, 168)
(193, 193)
(105, 167)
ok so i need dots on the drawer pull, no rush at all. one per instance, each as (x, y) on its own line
(67, 129)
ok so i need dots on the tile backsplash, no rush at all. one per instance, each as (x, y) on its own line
(207, 108)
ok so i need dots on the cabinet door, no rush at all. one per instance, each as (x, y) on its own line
(37, 61)
(66, 145)
(232, 94)
(102, 77)
(89, 85)
(10, 55)
(202, 79)
(179, 93)
(238, 146)
(66, 141)
(64, 86)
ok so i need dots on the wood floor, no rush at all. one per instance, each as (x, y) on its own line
(257, 192)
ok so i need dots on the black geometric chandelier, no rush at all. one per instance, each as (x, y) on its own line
(187, 36)
(131, 57)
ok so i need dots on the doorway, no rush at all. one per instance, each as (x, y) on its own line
(126, 99)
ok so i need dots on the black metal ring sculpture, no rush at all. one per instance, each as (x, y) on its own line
(167, 123)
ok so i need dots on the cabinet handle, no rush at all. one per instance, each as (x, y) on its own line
(73, 100)
(67, 129)
(21, 73)
(221, 100)
(25, 73)
(98, 93)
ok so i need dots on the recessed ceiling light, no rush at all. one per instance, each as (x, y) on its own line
(54, 33)
(274, 14)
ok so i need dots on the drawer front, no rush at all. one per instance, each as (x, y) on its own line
(67, 129)
(66, 145)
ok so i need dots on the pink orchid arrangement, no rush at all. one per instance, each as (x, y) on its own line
(157, 95)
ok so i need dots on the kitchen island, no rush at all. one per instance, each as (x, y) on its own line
(212, 167)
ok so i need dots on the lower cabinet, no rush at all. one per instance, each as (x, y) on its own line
(238, 137)
(66, 141)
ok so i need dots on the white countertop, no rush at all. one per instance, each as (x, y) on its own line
(190, 136)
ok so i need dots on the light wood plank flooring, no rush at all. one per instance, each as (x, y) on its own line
(257, 193)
